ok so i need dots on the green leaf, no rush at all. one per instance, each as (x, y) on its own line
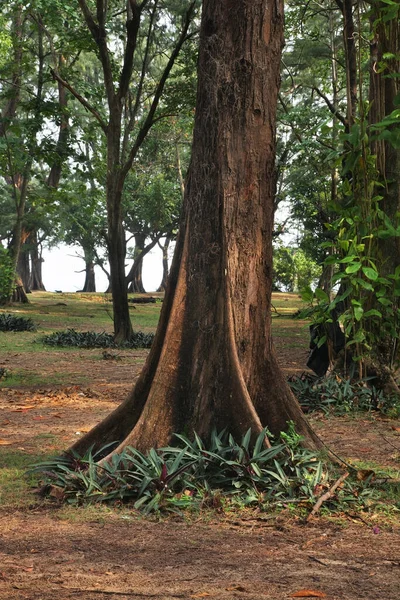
(321, 295)
(348, 259)
(365, 284)
(385, 301)
(345, 294)
(373, 313)
(353, 268)
(358, 312)
(371, 273)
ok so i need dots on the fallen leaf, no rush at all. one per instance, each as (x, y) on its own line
(56, 492)
(22, 408)
(200, 595)
(363, 474)
(236, 588)
(321, 538)
(308, 594)
(376, 530)
(5, 422)
(395, 428)
(5, 443)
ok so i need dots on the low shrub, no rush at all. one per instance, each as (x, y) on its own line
(9, 322)
(336, 395)
(91, 339)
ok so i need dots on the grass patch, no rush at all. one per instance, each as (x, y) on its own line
(16, 487)
(26, 378)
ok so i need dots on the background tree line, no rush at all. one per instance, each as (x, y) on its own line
(97, 110)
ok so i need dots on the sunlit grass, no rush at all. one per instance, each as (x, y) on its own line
(26, 378)
(16, 486)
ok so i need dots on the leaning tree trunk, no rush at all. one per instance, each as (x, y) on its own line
(212, 364)
(134, 279)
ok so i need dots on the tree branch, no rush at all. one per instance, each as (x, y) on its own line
(149, 121)
(100, 37)
(81, 99)
(326, 496)
(132, 28)
(331, 107)
(141, 80)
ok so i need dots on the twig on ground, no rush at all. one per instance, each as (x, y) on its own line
(327, 495)
(390, 443)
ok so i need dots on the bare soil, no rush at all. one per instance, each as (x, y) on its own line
(46, 555)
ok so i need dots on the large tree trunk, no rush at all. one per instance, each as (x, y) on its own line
(384, 93)
(384, 90)
(212, 363)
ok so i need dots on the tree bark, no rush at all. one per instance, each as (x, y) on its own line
(165, 266)
(36, 282)
(383, 96)
(23, 268)
(90, 276)
(212, 364)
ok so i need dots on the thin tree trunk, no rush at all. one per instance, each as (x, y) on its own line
(23, 267)
(36, 283)
(165, 266)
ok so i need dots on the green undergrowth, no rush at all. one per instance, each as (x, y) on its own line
(224, 475)
(91, 339)
(339, 396)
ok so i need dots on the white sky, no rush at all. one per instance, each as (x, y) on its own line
(61, 270)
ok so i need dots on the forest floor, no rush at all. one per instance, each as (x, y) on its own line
(50, 552)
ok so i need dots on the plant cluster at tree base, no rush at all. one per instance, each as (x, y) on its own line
(9, 322)
(91, 339)
(223, 474)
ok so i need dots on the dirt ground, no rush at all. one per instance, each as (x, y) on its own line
(45, 555)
